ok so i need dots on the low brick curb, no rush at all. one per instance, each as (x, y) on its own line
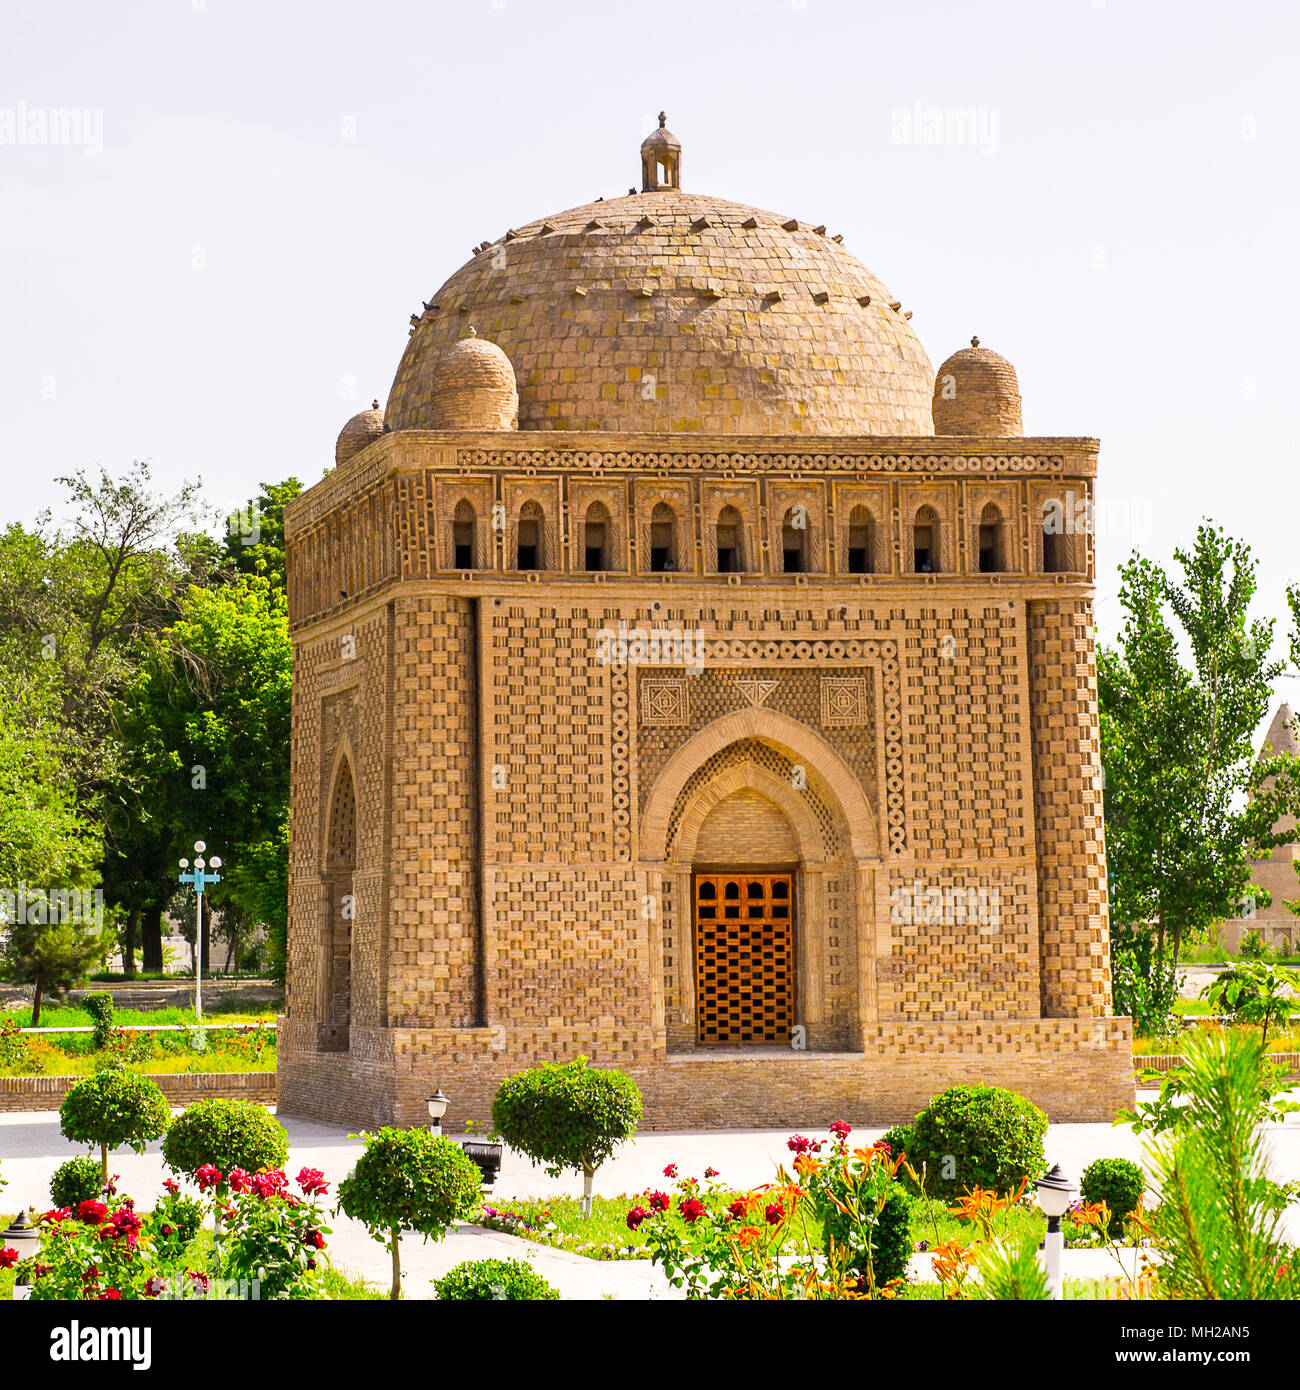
(47, 1092)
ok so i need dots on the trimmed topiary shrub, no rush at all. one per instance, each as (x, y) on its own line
(99, 1006)
(978, 1136)
(1117, 1182)
(78, 1180)
(485, 1281)
(406, 1180)
(226, 1134)
(570, 1116)
(112, 1108)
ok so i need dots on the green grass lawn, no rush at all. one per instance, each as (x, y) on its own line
(74, 1016)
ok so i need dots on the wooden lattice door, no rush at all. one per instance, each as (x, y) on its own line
(744, 958)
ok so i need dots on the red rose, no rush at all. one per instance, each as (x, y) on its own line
(660, 1201)
(314, 1239)
(239, 1180)
(172, 1187)
(312, 1181)
(8, 1257)
(166, 1230)
(737, 1209)
(311, 1264)
(670, 1171)
(272, 1184)
(797, 1144)
(710, 1173)
(635, 1217)
(841, 1130)
(112, 1293)
(208, 1176)
(91, 1274)
(153, 1287)
(111, 1189)
(691, 1209)
(92, 1212)
(774, 1214)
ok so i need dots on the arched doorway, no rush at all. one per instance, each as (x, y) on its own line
(757, 802)
(340, 908)
(744, 922)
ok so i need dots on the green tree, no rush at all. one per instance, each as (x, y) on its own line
(112, 1108)
(407, 1180)
(47, 852)
(1188, 803)
(570, 1116)
(208, 717)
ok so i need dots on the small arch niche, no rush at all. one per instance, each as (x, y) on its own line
(794, 541)
(463, 538)
(861, 538)
(730, 557)
(595, 539)
(925, 542)
(992, 541)
(663, 539)
(1057, 553)
(528, 548)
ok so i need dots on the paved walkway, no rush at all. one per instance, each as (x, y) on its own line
(31, 1147)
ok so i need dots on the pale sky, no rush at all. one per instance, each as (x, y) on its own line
(222, 270)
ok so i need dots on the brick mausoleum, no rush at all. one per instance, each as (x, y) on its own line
(687, 677)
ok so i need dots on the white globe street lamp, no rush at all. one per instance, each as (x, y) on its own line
(1055, 1192)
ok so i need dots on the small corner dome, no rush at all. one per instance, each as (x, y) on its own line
(362, 429)
(976, 394)
(474, 388)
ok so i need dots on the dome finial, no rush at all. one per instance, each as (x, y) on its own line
(974, 342)
(661, 159)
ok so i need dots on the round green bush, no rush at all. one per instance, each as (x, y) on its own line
(407, 1180)
(892, 1240)
(228, 1134)
(570, 1116)
(483, 1281)
(1117, 1182)
(900, 1141)
(80, 1179)
(978, 1136)
(112, 1108)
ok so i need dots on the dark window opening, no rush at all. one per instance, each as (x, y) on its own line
(661, 540)
(923, 557)
(595, 546)
(990, 559)
(859, 544)
(529, 548)
(1054, 553)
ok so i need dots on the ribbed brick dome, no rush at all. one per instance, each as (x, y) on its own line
(976, 393)
(668, 311)
(473, 388)
(362, 429)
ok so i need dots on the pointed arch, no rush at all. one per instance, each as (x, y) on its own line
(809, 749)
